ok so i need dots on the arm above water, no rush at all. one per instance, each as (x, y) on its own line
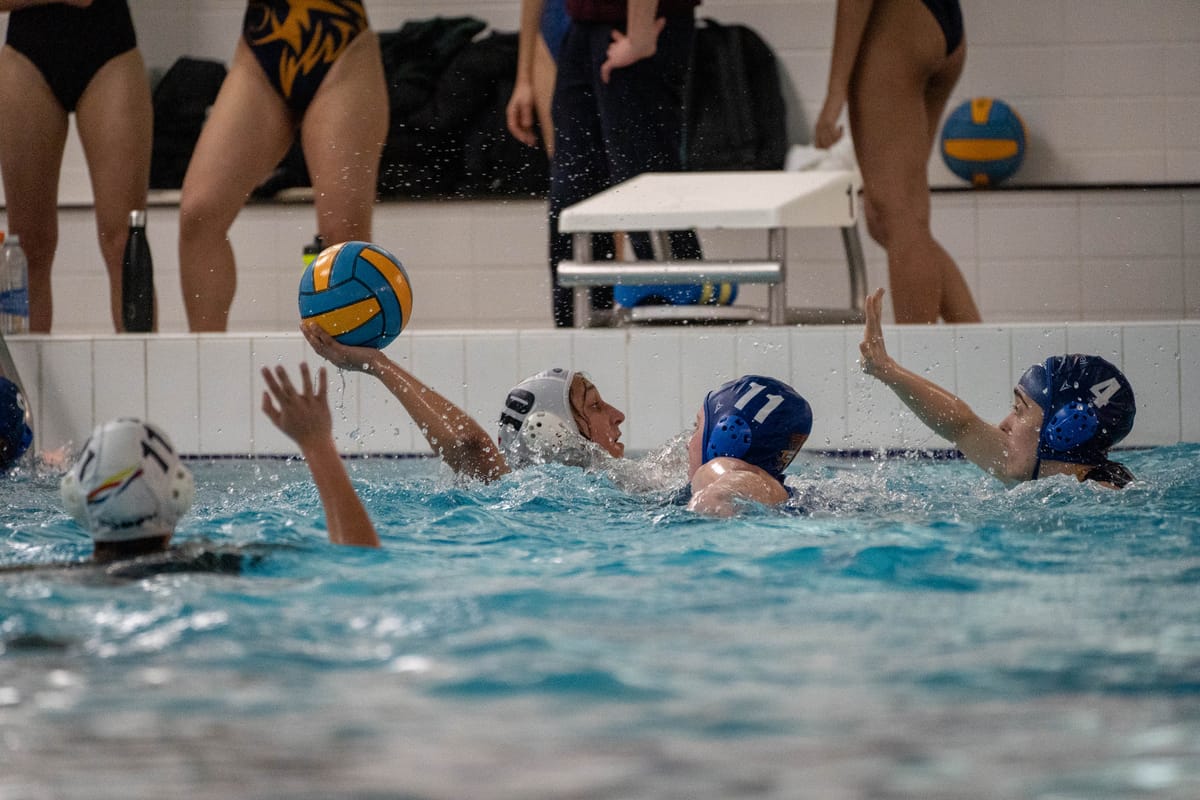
(460, 441)
(304, 416)
(943, 412)
(721, 485)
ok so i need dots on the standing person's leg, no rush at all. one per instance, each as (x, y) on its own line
(116, 127)
(342, 133)
(248, 131)
(33, 134)
(577, 170)
(902, 50)
(641, 114)
(957, 304)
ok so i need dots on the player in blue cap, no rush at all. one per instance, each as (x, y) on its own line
(1068, 411)
(747, 433)
(15, 433)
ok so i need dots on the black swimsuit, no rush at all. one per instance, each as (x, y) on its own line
(949, 18)
(69, 45)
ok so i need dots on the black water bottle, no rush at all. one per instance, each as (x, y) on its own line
(137, 278)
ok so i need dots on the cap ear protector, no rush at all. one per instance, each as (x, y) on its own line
(1071, 426)
(127, 483)
(730, 436)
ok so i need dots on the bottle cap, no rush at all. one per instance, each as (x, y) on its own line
(137, 218)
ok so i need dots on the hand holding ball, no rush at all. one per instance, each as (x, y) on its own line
(358, 293)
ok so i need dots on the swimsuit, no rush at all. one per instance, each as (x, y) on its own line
(297, 41)
(69, 45)
(949, 18)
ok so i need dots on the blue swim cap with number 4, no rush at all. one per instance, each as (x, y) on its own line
(1087, 407)
(759, 420)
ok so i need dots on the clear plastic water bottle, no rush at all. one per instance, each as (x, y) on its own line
(14, 286)
(137, 278)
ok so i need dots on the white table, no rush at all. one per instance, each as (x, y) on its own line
(660, 202)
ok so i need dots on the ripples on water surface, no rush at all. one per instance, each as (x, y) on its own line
(920, 633)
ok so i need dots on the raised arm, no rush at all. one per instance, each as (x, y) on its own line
(521, 108)
(460, 441)
(304, 416)
(849, 24)
(946, 414)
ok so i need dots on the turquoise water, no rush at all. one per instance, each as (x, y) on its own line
(920, 633)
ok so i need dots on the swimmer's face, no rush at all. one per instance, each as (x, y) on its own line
(1023, 425)
(598, 421)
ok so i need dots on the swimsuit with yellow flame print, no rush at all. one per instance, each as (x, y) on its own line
(297, 41)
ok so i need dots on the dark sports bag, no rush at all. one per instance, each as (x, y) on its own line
(181, 101)
(734, 109)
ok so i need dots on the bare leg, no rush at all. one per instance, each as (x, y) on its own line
(116, 124)
(902, 56)
(343, 133)
(247, 133)
(33, 133)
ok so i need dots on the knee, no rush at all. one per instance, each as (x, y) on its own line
(889, 218)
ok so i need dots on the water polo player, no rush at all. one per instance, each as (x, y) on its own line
(556, 415)
(1067, 413)
(747, 433)
(15, 433)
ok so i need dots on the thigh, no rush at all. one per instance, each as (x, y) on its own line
(887, 107)
(247, 133)
(116, 127)
(33, 133)
(343, 132)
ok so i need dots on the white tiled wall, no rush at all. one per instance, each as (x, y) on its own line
(206, 391)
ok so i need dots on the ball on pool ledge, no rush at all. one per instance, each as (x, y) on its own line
(358, 293)
(983, 141)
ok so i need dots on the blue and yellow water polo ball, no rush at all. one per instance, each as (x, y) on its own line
(983, 141)
(357, 292)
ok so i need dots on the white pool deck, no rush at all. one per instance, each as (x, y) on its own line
(205, 390)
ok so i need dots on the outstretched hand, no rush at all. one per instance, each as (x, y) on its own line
(875, 359)
(347, 357)
(303, 415)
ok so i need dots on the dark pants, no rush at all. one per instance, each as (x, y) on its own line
(605, 133)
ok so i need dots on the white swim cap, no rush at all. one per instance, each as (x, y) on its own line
(548, 391)
(546, 438)
(128, 483)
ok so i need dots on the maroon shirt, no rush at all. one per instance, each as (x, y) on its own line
(614, 10)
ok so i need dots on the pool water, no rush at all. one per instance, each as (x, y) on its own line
(921, 633)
